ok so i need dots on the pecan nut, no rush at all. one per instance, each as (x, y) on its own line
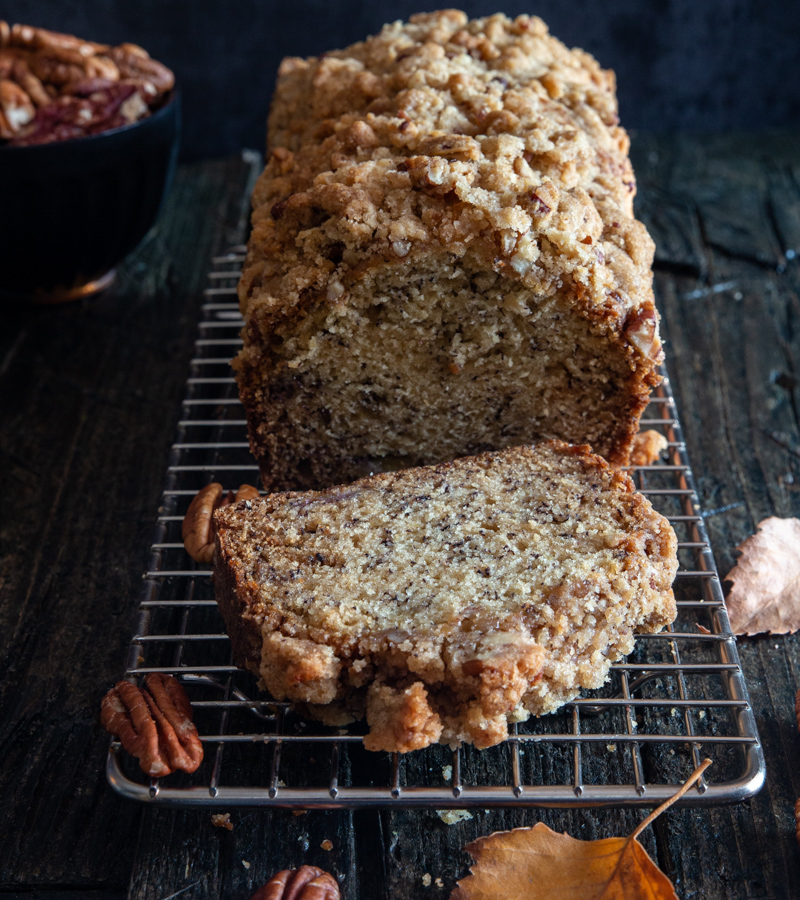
(16, 105)
(154, 724)
(29, 83)
(42, 71)
(133, 62)
(198, 523)
(305, 883)
(42, 39)
(641, 332)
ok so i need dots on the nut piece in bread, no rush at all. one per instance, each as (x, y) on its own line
(443, 602)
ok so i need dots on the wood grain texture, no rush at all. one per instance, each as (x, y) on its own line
(732, 351)
(89, 396)
(90, 393)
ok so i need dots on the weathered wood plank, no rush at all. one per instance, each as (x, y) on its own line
(56, 892)
(732, 356)
(90, 393)
(221, 863)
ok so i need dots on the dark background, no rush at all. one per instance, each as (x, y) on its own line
(682, 65)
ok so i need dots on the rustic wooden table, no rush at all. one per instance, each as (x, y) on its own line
(89, 398)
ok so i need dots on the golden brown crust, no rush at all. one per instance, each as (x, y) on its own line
(445, 600)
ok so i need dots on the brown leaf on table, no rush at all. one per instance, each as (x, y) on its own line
(539, 864)
(765, 596)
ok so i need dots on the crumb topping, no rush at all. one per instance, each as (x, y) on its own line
(486, 137)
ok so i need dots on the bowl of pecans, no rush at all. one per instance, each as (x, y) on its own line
(88, 144)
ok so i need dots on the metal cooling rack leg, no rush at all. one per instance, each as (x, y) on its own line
(217, 770)
(396, 791)
(687, 715)
(458, 787)
(515, 768)
(577, 762)
(632, 727)
(176, 662)
(333, 784)
(275, 767)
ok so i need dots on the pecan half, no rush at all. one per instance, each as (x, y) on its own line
(198, 523)
(641, 332)
(133, 62)
(16, 105)
(154, 724)
(42, 39)
(305, 883)
(29, 83)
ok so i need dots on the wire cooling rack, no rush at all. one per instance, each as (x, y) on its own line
(678, 697)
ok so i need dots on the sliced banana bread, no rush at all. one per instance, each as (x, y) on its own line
(442, 602)
(444, 258)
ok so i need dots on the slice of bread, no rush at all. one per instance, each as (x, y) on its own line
(445, 601)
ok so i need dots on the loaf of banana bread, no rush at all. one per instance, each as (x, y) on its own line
(444, 258)
(443, 602)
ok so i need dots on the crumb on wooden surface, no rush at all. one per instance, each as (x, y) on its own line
(452, 816)
(222, 820)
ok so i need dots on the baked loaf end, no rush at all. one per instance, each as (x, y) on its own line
(445, 601)
(444, 258)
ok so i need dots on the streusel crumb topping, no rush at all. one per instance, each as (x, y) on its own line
(485, 136)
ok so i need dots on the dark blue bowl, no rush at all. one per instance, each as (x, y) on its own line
(71, 211)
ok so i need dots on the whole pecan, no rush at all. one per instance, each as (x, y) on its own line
(305, 883)
(47, 70)
(198, 523)
(32, 86)
(154, 724)
(42, 39)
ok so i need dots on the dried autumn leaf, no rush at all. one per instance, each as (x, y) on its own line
(539, 864)
(766, 580)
